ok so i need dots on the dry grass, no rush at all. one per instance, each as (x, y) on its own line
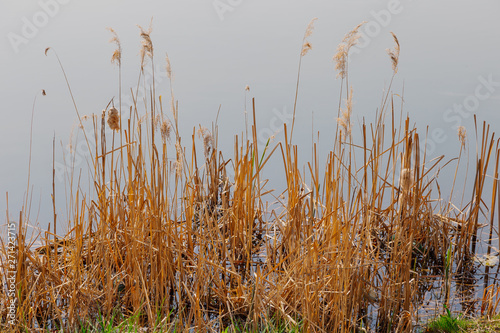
(167, 237)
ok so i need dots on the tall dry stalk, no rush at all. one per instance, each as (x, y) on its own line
(306, 46)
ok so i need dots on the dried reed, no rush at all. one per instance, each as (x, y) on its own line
(178, 243)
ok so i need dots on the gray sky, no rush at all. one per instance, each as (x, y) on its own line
(449, 52)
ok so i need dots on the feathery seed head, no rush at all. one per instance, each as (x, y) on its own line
(310, 28)
(340, 58)
(146, 43)
(394, 54)
(305, 48)
(168, 67)
(351, 38)
(113, 119)
(84, 118)
(180, 157)
(165, 128)
(172, 107)
(140, 121)
(406, 179)
(117, 54)
(157, 121)
(247, 88)
(345, 121)
(70, 143)
(462, 135)
(208, 140)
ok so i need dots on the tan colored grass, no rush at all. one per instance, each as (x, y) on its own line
(187, 240)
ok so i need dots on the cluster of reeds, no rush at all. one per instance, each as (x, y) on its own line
(170, 239)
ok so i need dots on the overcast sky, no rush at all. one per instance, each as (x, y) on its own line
(449, 68)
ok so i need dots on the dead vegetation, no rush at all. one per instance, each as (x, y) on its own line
(170, 238)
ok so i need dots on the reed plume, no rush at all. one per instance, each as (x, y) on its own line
(208, 140)
(306, 46)
(341, 57)
(462, 136)
(146, 42)
(117, 54)
(345, 121)
(179, 158)
(406, 179)
(165, 129)
(394, 53)
(114, 119)
(168, 67)
(310, 28)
